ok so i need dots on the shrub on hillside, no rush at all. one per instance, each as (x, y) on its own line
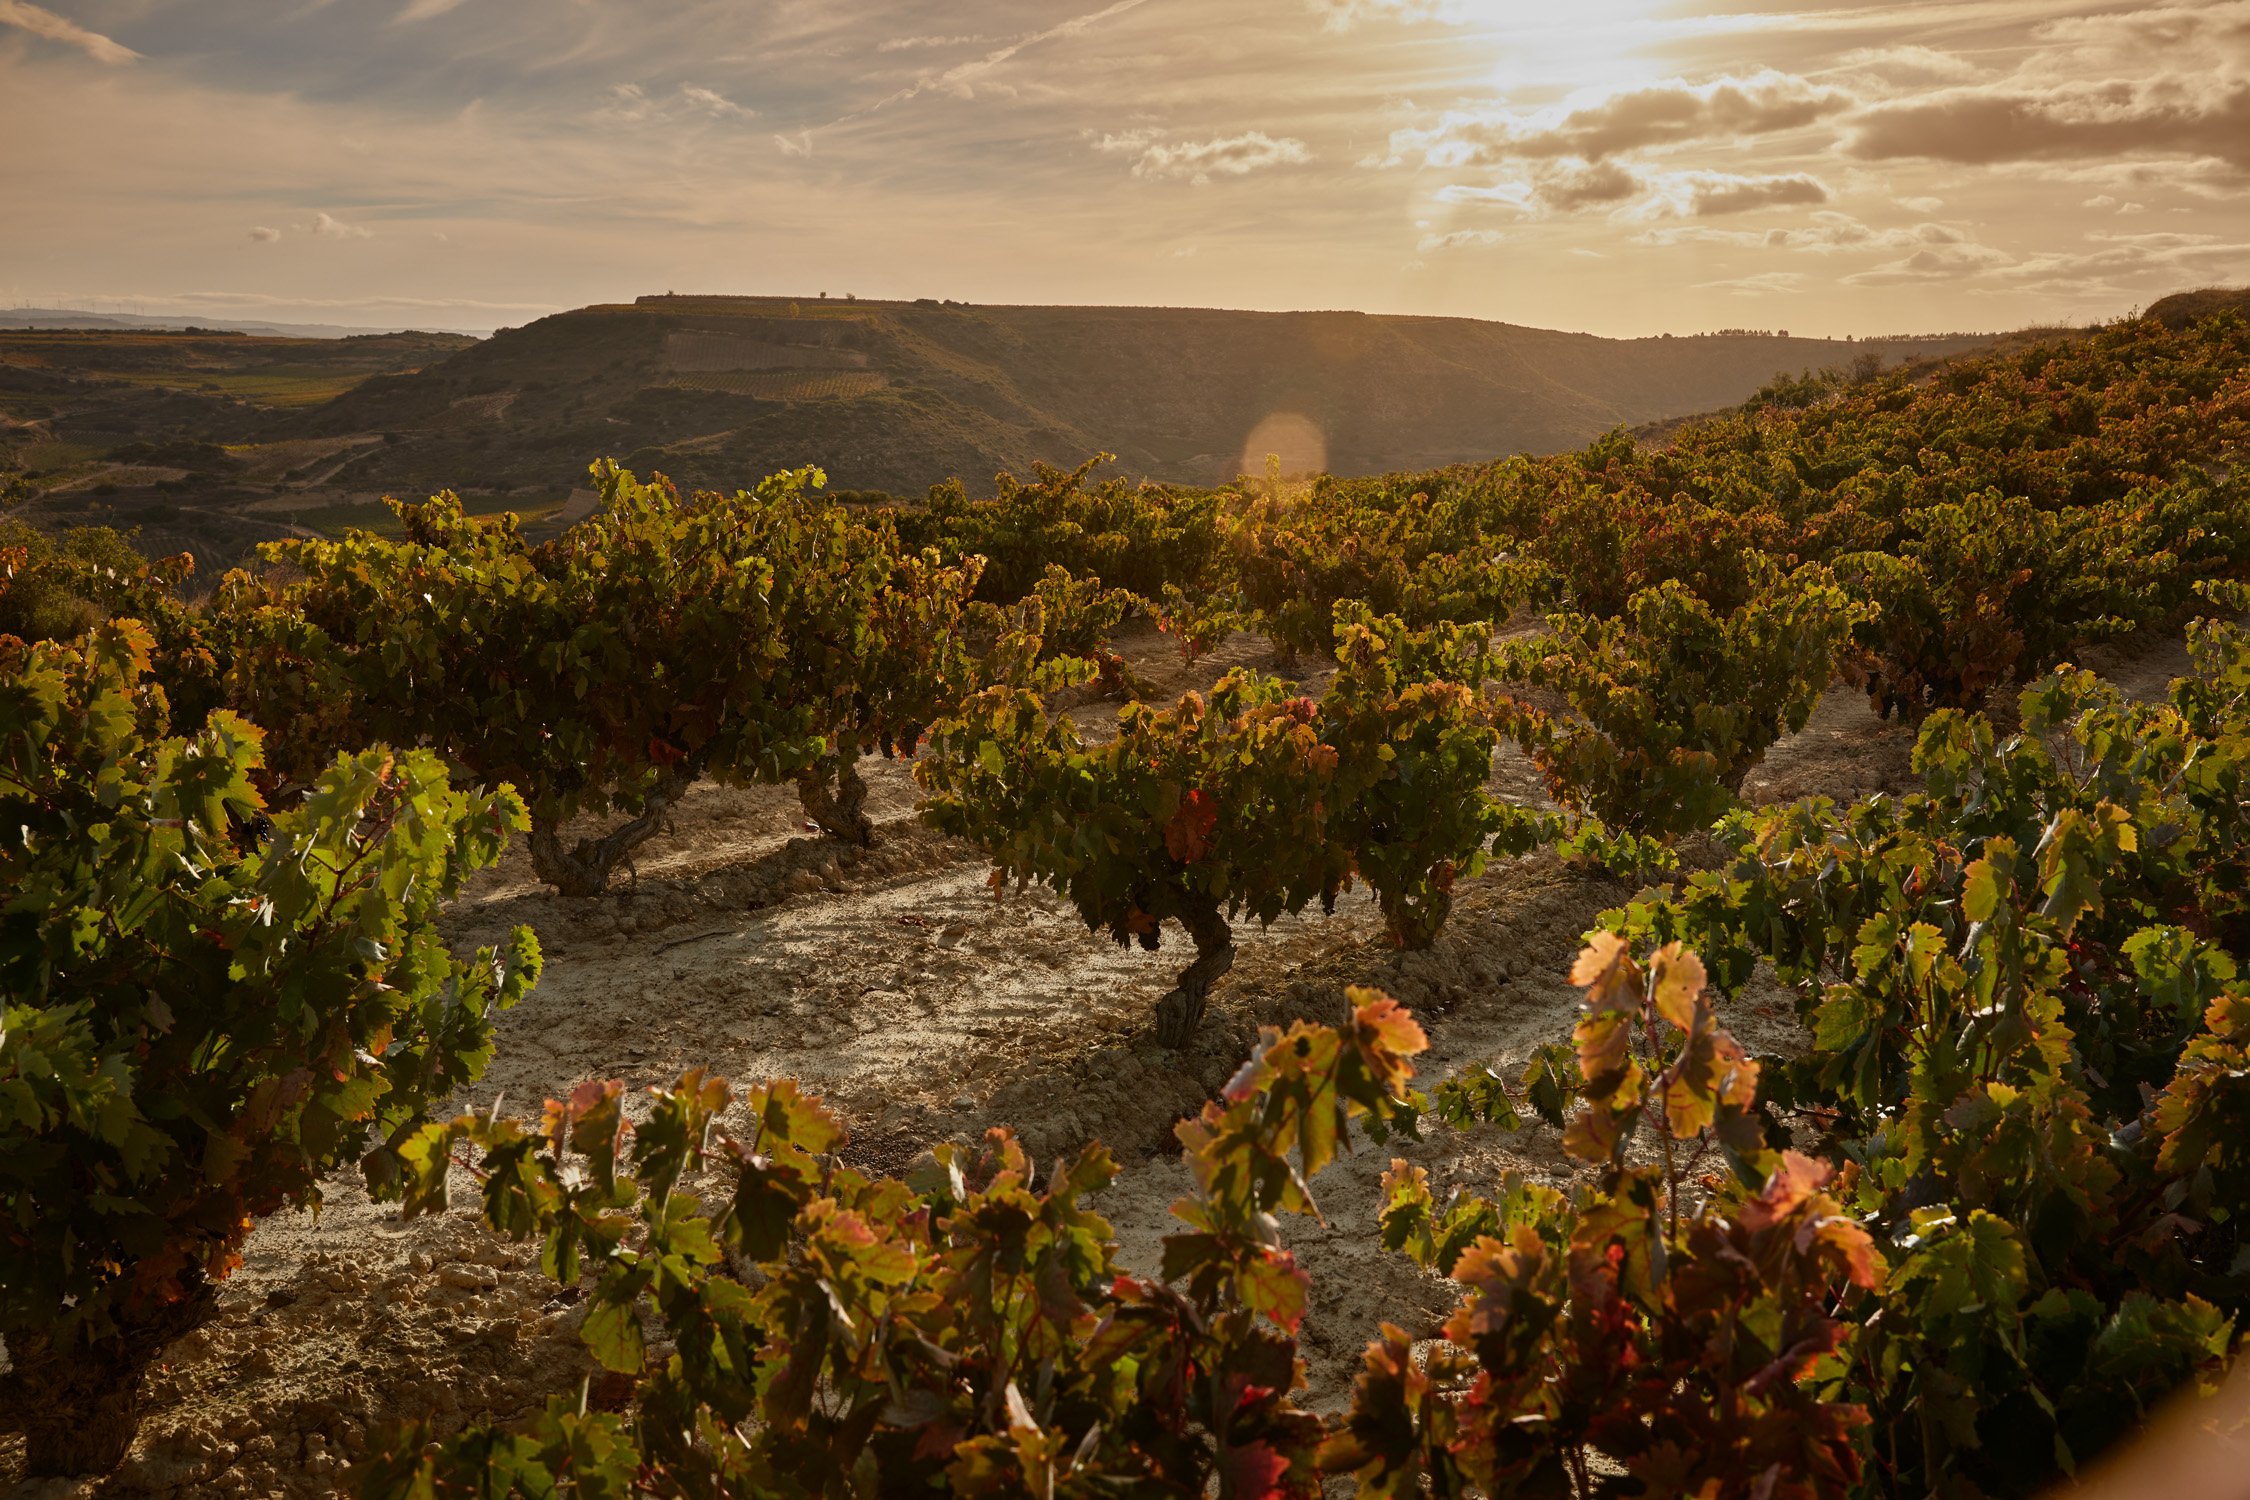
(1138, 537)
(205, 1011)
(2023, 995)
(1657, 1322)
(1672, 704)
(1251, 801)
(58, 588)
(759, 637)
(1995, 590)
(968, 1330)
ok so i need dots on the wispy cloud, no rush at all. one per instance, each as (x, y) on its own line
(630, 104)
(962, 78)
(1828, 233)
(1908, 63)
(1343, 15)
(1763, 284)
(40, 22)
(1199, 161)
(1459, 239)
(927, 43)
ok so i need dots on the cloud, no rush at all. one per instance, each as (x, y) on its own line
(1663, 114)
(1570, 187)
(2169, 80)
(1934, 263)
(264, 236)
(423, 10)
(329, 227)
(1694, 148)
(1760, 285)
(919, 43)
(266, 302)
(1197, 161)
(961, 78)
(2114, 265)
(1908, 64)
(1343, 15)
(1551, 187)
(630, 104)
(1460, 239)
(1705, 195)
(711, 102)
(1827, 233)
(45, 23)
(2099, 121)
(1520, 196)
(2111, 267)
(2167, 31)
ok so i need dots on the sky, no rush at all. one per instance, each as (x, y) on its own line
(1623, 167)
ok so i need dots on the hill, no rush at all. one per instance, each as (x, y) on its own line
(2185, 309)
(899, 396)
(210, 441)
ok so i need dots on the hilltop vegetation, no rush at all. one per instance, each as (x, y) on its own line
(1895, 1138)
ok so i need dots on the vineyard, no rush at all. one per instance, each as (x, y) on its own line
(1706, 969)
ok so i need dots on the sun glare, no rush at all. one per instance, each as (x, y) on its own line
(1566, 48)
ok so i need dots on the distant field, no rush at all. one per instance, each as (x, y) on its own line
(785, 385)
(273, 463)
(50, 456)
(278, 390)
(274, 373)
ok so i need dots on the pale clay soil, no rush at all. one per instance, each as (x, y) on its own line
(894, 983)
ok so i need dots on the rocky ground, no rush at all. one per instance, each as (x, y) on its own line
(893, 981)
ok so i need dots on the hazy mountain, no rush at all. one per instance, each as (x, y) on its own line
(56, 317)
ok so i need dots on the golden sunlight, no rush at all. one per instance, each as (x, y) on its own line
(1584, 44)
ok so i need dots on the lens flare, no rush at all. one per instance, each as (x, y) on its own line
(1293, 439)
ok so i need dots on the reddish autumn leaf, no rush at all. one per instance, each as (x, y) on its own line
(1187, 838)
(1386, 1029)
(1252, 1472)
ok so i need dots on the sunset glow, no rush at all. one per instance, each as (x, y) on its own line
(1829, 167)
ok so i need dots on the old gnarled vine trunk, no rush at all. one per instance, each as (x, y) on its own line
(836, 799)
(1179, 1013)
(79, 1406)
(584, 868)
